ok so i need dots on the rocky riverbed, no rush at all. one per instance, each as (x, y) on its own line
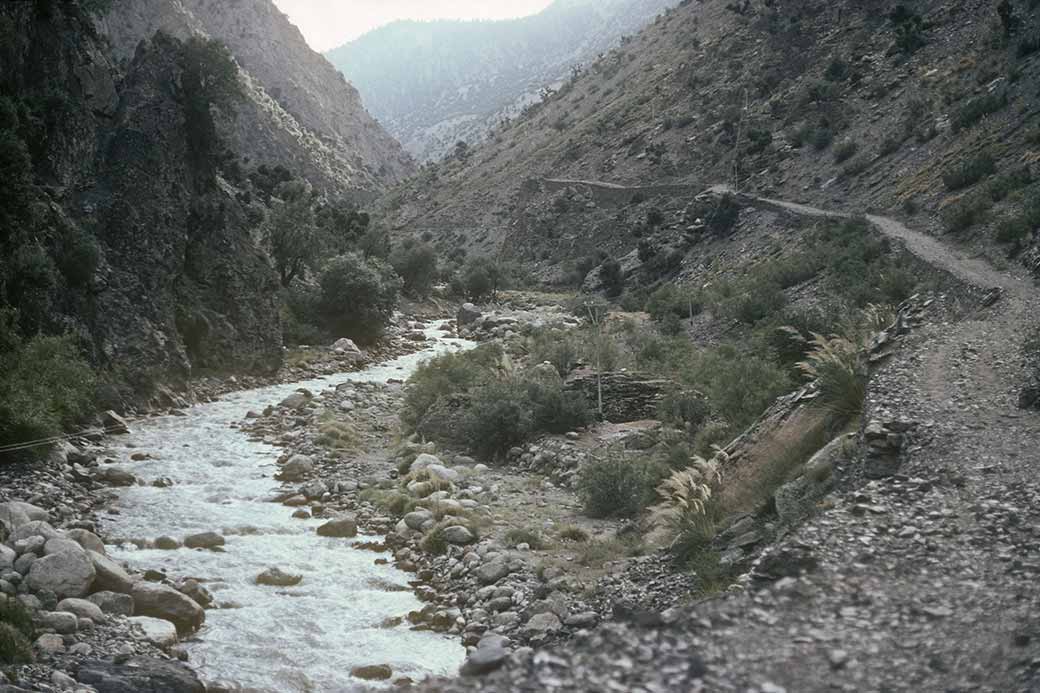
(120, 614)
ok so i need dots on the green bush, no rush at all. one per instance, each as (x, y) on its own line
(557, 347)
(612, 277)
(79, 259)
(447, 375)
(357, 297)
(532, 538)
(1021, 225)
(761, 298)
(416, 264)
(1003, 186)
(672, 301)
(978, 108)
(615, 486)
(15, 648)
(967, 212)
(14, 614)
(555, 411)
(499, 417)
(845, 150)
(970, 172)
(684, 409)
(47, 387)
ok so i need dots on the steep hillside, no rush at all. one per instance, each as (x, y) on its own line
(435, 83)
(301, 113)
(926, 110)
(115, 228)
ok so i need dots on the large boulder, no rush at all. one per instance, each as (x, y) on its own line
(110, 576)
(297, 400)
(83, 608)
(113, 603)
(156, 631)
(467, 313)
(34, 528)
(114, 476)
(204, 540)
(162, 601)
(458, 535)
(348, 349)
(66, 574)
(139, 675)
(296, 468)
(114, 423)
(88, 540)
(7, 558)
(341, 527)
(276, 577)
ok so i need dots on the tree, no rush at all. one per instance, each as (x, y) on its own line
(209, 82)
(481, 278)
(416, 263)
(358, 296)
(342, 224)
(291, 233)
(613, 278)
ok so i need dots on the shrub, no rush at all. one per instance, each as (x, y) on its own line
(845, 150)
(481, 279)
(970, 172)
(1003, 186)
(685, 501)
(670, 300)
(556, 347)
(517, 536)
(857, 166)
(13, 613)
(1021, 225)
(15, 648)
(739, 386)
(761, 298)
(615, 486)
(612, 277)
(965, 213)
(79, 259)
(47, 388)
(499, 417)
(839, 366)
(416, 264)
(978, 108)
(444, 376)
(572, 533)
(684, 409)
(557, 411)
(357, 297)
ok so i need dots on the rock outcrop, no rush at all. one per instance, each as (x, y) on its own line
(299, 113)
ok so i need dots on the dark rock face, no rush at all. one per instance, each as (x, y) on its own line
(140, 675)
(626, 396)
(299, 112)
(179, 283)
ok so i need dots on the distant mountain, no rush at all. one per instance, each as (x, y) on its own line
(432, 84)
(301, 113)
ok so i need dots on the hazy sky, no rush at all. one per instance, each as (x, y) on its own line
(329, 23)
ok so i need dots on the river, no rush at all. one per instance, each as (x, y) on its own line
(304, 638)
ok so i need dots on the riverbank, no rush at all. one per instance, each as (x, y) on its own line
(74, 496)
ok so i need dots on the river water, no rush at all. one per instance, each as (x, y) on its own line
(304, 638)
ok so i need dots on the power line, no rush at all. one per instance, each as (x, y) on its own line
(41, 442)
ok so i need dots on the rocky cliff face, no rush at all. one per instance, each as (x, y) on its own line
(300, 112)
(849, 105)
(179, 283)
(435, 83)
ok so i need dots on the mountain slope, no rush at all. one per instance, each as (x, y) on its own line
(827, 102)
(300, 113)
(435, 83)
(118, 236)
